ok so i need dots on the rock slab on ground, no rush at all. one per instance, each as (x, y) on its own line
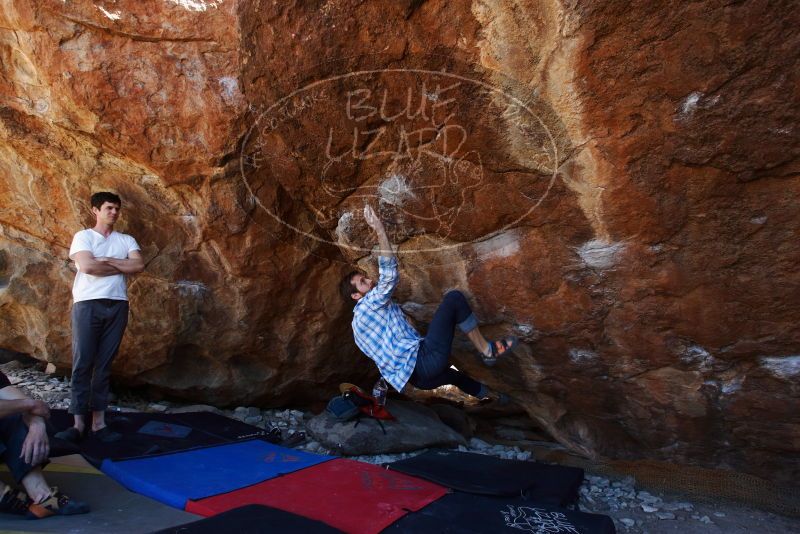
(455, 418)
(416, 427)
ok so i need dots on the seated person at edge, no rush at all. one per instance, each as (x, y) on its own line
(383, 333)
(24, 447)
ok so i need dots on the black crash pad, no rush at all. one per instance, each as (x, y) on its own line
(253, 519)
(486, 475)
(145, 434)
(477, 514)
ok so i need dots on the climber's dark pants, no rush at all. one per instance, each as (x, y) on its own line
(97, 328)
(433, 359)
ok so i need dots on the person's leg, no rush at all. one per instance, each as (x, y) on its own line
(479, 341)
(115, 320)
(86, 329)
(47, 501)
(12, 501)
(462, 381)
(433, 366)
(429, 364)
(434, 355)
(79, 424)
(35, 485)
(98, 420)
(55, 503)
(43, 500)
(433, 370)
(453, 311)
(13, 432)
(453, 377)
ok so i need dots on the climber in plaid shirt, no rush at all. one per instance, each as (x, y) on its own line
(383, 333)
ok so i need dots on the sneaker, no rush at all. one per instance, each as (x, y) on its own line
(14, 502)
(71, 434)
(56, 504)
(106, 435)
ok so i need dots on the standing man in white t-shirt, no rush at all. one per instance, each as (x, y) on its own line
(99, 314)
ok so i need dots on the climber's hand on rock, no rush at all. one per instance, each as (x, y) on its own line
(372, 219)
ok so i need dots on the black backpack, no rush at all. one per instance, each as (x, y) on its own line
(342, 408)
(350, 406)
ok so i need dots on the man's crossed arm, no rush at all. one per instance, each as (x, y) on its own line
(88, 264)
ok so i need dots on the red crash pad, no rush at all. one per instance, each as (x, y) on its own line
(352, 496)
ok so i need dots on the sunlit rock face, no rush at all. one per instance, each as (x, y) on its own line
(616, 183)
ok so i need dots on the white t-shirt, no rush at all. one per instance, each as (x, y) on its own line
(116, 245)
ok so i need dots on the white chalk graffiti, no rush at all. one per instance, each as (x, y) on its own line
(410, 140)
(421, 152)
(537, 520)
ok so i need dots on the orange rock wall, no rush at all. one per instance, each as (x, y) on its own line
(623, 196)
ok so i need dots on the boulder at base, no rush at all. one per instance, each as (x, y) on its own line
(455, 418)
(416, 427)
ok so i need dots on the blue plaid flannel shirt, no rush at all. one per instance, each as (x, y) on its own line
(381, 330)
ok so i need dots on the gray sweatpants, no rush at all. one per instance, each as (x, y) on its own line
(97, 328)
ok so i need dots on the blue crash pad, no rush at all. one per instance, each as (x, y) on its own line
(196, 474)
